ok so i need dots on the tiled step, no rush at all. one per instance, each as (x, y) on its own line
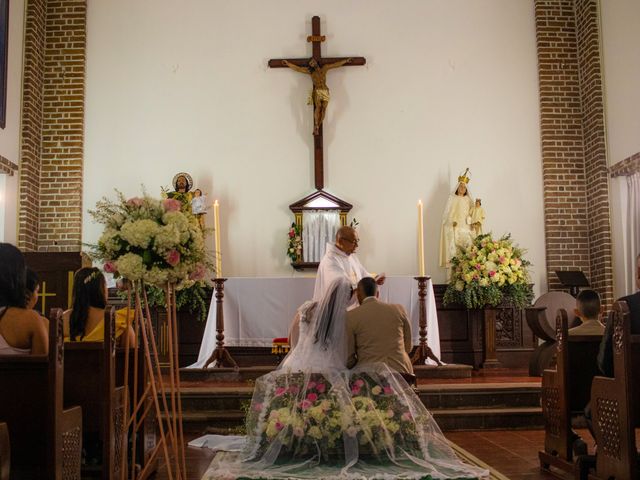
(433, 396)
(448, 419)
(454, 406)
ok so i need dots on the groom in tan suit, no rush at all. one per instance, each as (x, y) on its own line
(377, 331)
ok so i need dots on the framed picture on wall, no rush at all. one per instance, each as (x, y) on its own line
(4, 55)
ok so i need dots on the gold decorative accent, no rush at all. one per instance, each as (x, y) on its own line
(43, 294)
(464, 178)
(316, 38)
(70, 289)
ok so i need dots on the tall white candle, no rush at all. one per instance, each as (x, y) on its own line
(420, 241)
(216, 220)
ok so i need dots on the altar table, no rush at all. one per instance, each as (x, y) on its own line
(257, 310)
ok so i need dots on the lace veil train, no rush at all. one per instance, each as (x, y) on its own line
(313, 418)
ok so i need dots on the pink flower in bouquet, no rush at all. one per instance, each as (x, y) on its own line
(257, 407)
(173, 257)
(109, 267)
(359, 382)
(305, 404)
(312, 397)
(387, 390)
(492, 273)
(478, 266)
(321, 387)
(280, 391)
(406, 416)
(355, 389)
(198, 272)
(294, 389)
(279, 426)
(135, 202)
(292, 233)
(390, 413)
(171, 205)
(311, 385)
(298, 432)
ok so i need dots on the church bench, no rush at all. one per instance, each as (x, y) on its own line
(46, 440)
(615, 404)
(5, 452)
(565, 392)
(89, 381)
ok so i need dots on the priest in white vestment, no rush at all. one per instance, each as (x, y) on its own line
(340, 260)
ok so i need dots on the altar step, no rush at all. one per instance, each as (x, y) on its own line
(242, 374)
(455, 407)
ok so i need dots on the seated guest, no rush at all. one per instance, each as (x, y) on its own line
(588, 311)
(85, 321)
(32, 288)
(605, 355)
(377, 331)
(22, 331)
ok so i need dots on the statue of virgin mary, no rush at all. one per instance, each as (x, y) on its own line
(456, 221)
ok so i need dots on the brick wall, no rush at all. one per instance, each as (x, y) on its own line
(574, 164)
(7, 167)
(53, 118)
(33, 80)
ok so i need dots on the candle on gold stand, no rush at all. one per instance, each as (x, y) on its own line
(216, 226)
(420, 241)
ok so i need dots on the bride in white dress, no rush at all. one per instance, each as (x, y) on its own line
(314, 418)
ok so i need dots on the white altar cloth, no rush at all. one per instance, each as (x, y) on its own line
(257, 310)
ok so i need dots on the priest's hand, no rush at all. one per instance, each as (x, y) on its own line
(380, 279)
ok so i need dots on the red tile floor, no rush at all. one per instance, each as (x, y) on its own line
(513, 453)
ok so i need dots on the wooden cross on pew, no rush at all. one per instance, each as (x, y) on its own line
(317, 66)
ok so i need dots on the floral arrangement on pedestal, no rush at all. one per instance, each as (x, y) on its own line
(294, 246)
(489, 272)
(154, 241)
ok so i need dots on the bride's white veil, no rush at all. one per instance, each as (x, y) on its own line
(323, 344)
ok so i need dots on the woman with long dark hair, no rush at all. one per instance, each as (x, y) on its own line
(85, 321)
(22, 331)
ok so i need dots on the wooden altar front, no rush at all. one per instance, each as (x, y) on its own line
(464, 339)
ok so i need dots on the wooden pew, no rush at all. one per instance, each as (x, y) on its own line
(89, 381)
(5, 452)
(46, 441)
(565, 392)
(615, 404)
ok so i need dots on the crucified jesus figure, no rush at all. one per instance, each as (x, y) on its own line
(320, 94)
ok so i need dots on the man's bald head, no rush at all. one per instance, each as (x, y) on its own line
(347, 239)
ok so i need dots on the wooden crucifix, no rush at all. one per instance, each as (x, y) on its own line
(317, 67)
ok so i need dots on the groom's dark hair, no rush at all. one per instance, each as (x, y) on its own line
(368, 287)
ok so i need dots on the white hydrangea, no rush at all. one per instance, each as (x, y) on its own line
(156, 276)
(140, 232)
(107, 240)
(168, 237)
(130, 266)
(180, 222)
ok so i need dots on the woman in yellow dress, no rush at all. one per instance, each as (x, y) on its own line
(85, 321)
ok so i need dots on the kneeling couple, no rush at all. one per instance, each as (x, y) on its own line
(376, 332)
(314, 418)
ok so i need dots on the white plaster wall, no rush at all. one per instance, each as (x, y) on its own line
(10, 135)
(448, 84)
(621, 58)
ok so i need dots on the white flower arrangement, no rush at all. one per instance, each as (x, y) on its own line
(150, 240)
